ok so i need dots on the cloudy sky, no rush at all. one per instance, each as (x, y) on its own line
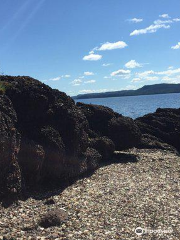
(84, 46)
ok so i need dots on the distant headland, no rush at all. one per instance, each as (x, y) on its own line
(162, 88)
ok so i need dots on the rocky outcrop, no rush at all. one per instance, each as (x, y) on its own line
(124, 132)
(54, 133)
(45, 136)
(104, 146)
(103, 121)
(164, 124)
(10, 176)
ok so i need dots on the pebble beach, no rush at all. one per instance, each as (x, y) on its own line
(110, 204)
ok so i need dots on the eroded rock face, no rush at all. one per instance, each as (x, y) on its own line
(10, 176)
(54, 131)
(103, 121)
(164, 124)
(31, 159)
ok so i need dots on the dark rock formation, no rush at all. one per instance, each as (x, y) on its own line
(164, 124)
(10, 176)
(151, 142)
(30, 159)
(45, 137)
(54, 134)
(124, 132)
(104, 146)
(98, 117)
(103, 121)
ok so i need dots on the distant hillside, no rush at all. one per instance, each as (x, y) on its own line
(146, 90)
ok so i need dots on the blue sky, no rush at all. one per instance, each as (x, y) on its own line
(83, 46)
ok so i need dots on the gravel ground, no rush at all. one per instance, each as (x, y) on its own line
(110, 204)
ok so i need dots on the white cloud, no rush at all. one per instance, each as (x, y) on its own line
(168, 79)
(176, 19)
(159, 22)
(106, 64)
(132, 64)
(145, 74)
(88, 73)
(76, 82)
(112, 46)
(169, 72)
(55, 79)
(130, 87)
(166, 21)
(120, 72)
(90, 81)
(165, 15)
(67, 76)
(93, 91)
(152, 78)
(171, 75)
(151, 29)
(106, 77)
(170, 67)
(176, 46)
(92, 57)
(136, 80)
(136, 20)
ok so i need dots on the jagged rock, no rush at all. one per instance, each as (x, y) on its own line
(104, 146)
(103, 121)
(164, 124)
(10, 175)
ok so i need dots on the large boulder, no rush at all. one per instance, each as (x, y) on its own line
(98, 117)
(10, 175)
(104, 146)
(124, 132)
(54, 132)
(103, 121)
(164, 124)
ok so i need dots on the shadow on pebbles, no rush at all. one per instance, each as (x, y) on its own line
(110, 204)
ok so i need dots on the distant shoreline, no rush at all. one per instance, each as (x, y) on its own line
(146, 90)
(128, 96)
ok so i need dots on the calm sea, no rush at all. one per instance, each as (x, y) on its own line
(136, 106)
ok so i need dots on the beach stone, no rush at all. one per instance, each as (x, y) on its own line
(53, 218)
